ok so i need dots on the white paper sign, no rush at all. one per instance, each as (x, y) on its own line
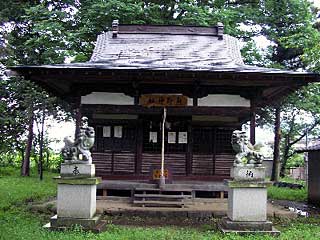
(118, 131)
(171, 137)
(183, 137)
(106, 131)
(153, 137)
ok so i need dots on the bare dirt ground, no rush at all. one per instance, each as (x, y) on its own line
(202, 214)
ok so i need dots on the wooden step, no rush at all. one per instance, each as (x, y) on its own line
(158, 203)
(162, 196)
(163, 190)
(156, 197)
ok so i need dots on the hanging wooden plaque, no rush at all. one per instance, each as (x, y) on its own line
(159, 100)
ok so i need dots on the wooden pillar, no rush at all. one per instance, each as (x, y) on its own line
(195, 101)
(139, 145)
(104, 192)
(78, 115)
(214, 141)
(139, 138)
(276, 148)
(222, 194)
(253, 121)
(189, 150)
(136, 99)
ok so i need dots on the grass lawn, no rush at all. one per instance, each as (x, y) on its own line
(282, 193)
(17, 223)
(299, 195)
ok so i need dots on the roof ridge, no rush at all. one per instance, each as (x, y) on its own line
(99, 46)
(234, 49)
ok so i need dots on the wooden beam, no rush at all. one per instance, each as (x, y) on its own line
(173, 111)
(174, 29)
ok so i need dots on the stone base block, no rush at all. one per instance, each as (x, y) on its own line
(94, 224)
(77, 170)
(247, 204)
(253, 226)
(228, 226)
(76, 201)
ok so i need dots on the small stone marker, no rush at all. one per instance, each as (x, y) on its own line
(247, 193)
(77, 186)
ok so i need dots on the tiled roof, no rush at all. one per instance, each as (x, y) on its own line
(313, 147)
(170, 50)
(152, 47)
(167, 51)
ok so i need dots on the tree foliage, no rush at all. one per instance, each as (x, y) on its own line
(300, 115)
(21, 101)
(47, 31)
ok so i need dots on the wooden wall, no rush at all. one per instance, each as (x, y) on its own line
(175, 162)
(314, 177)
(114, 163)
(208, 151)
(124, 163)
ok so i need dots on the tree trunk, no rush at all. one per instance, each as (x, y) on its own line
(25, 168)
(276, 149)
(22, 155)
(48, 158)
(41, 146)
(285, 157)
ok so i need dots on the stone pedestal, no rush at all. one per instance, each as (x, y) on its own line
(247, 202)
(76, 198)
(77, 170)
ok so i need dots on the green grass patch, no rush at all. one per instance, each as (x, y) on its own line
(292, 180)
(17, 223)
(281, 193)
(17, 190)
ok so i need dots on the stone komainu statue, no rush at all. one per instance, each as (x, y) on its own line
(82, 144)
(246, 154)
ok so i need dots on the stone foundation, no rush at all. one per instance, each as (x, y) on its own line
(94, 224)
(76, 201)
(228, 226)
(247, 203)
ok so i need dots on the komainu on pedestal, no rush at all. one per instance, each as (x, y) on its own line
(77, 185)
(78, 151)
(246, 153)
(247, 191)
